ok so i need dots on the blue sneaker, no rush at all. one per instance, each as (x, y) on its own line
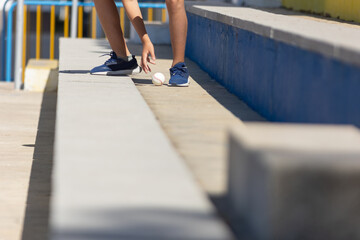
(179, 75)
(115, 66)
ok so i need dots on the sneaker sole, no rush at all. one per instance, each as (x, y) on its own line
(181, 85)
(120, 72)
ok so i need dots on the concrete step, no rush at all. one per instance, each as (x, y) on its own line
(286, 67)
(116, 176)
(20, 131)
(295, 181)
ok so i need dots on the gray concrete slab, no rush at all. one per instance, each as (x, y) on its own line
(116, 174)
(329, 38)
(296, 181)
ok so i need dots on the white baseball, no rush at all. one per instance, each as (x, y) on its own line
(158, 79)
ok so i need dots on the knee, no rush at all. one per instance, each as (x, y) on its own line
(174, 5)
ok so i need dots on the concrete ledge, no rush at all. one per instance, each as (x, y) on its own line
(333, 40)
(296, 181)
(116, 175)
(287, 68)
(41, 75)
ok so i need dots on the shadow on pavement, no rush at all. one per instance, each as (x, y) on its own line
(142, 81)
(75, 71)
(222, 95)
(38, 201)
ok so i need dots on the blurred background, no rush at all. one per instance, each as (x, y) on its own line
(46, 22)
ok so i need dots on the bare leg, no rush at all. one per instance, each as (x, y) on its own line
(110, 21)
(178, 29)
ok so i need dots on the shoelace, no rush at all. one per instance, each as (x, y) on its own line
(178, 71)
(112, 55)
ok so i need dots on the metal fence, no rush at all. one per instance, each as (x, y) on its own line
(7, 41)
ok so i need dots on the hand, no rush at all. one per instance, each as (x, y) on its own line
(148, 55)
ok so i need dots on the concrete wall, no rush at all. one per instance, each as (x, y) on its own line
(281, 81)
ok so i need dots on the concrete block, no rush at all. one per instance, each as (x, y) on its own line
(158, 33)
(116, 175)
(296, 181)
(41, 75)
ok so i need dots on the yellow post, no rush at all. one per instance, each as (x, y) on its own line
(80, 21)
(24, 43)
(163, 15)
(150, 14)
(38, 31)
(52, 32)
(122, 18)
(66, 22)
(93, 31)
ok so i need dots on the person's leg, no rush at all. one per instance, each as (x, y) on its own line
(178, 29)
(110, 21)
(179, 75)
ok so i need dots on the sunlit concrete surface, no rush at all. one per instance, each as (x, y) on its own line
(116, 175)
(25, 163)
(196, 119)
(18, 121)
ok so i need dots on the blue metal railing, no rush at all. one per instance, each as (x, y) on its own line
(9, 25)
(3, 40)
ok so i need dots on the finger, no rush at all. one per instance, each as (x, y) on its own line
(144, 64)
(150, 59)
(152, 53)
(143, 61)
(147, 66)
(144, 67)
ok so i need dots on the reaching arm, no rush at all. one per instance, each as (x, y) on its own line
(133, 12)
